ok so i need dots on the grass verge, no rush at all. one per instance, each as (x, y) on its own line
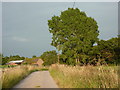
(85, 76)
(11, 76)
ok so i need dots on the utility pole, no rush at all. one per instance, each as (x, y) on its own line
(73, 4)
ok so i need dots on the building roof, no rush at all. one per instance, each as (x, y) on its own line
(35, 60)
(17, 61)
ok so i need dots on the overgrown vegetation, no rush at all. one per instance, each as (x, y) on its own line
(85, 76)
(12, 76)
(7, 66)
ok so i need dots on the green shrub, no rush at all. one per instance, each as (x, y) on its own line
(49, 57)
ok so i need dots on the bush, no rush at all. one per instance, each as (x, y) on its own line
(49, 57)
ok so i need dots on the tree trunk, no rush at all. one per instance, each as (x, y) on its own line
(58, 57)
(98, 63)
(76, 60)
(58, 54)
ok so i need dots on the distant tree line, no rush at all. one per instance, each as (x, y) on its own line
(6, 59)
(75, 35)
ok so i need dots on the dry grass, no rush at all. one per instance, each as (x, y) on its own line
(12, 76)
(85, 76)
(0, 78)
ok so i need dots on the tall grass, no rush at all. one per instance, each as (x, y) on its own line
(13, 75)
(0, 78)
(85, 76)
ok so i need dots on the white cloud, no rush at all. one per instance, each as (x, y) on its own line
(20, 39)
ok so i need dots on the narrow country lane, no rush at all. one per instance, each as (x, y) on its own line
(39, 79)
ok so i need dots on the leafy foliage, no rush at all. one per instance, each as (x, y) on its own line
(106, 52)
(74, 33)
(33, 56)
(49, 57)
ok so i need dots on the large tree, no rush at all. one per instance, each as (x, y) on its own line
(74, 33)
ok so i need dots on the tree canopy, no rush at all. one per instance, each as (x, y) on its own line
(75, 33)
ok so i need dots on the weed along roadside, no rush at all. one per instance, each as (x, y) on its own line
(64, 76)
(85, 76)
(11, 76)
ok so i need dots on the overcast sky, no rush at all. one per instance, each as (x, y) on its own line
(25, 29)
